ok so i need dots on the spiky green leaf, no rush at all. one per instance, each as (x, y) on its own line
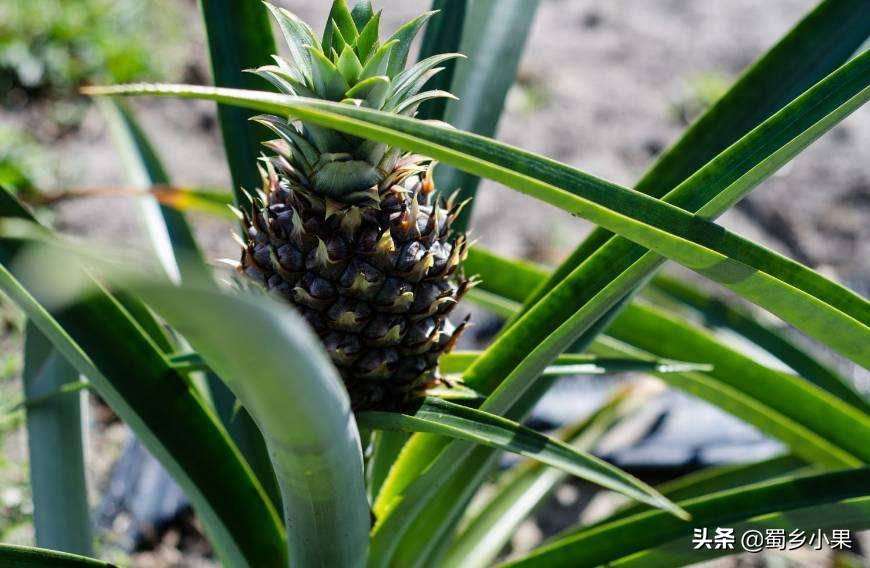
(453, 420)
(643, 533)
(55, 438)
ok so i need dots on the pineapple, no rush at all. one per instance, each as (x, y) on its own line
(349, 230)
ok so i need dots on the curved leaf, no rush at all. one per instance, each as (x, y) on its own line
(574, 364)
(827, 417)
(813, 422)
(567, 364)
(719, 313)
(131, 373)
(777, 418)
(797, 294)
(278, 370)
(453, 420)
(715, 479)
(522, 489)
(822, 41)
(607, 543)
(503, 278)
(55, 441)
(180, 256)
(28, 557)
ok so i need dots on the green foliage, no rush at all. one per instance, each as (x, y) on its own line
(456, 421)
(54, 46)
(793, 292)
(100, 337)
(25, 163)
(28, 557)
(701, 91)
(56, 441)
(805, 501)
(102, 317)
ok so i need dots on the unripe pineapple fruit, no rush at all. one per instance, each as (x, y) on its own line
(348, 229)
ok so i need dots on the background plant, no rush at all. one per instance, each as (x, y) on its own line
(731, 149)
(50, 46)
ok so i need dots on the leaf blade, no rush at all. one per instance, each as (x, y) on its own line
(773, 401)
(624, 537)
(55, 439)
(797, 294)
(31, 557)
(522, 489)
(494, 37)
(822, 41)
(299, 403)
(240, 37)
(137, 381)
(445, 418)
(179, 254)
(715, 479)
(720, 313)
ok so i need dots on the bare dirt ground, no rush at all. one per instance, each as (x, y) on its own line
(604, 86)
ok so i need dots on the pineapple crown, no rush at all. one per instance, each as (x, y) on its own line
(348, 65)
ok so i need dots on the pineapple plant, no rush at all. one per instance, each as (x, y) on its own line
(349, 234)
(348, 230)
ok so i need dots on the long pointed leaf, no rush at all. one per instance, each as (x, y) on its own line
(28, 557)
(715, 479)
(493, 38)
(521, 490)
(778, 419)
(607, 543)
(130, 372)
(816, 46)
(777, 403)
(181, 259)
(795, 293)
(55, 441)
(719, 313)
(448, 419)
(801, 401)
(239, 37)
(504, 277)
(296, 397)
(573, 364)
